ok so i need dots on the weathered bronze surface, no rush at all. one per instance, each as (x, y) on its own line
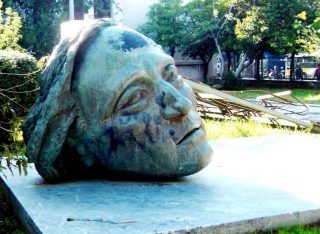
(112, 104)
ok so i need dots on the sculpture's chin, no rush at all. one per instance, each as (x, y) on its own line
(194, 154)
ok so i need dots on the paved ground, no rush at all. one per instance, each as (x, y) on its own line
(252, 183)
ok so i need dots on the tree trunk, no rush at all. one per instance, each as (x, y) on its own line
(235, 59)
(205, 69)
(242, 64)
(172, 51)
(292, 65)
(222, 71)
(79, 10)
(257, 68)
(257, 65)
(102, 9)
(261, 69)
(228, 55)
(205, 72)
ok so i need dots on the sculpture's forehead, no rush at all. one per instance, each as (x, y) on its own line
(115, 56)
(115, 46)
(122, 39)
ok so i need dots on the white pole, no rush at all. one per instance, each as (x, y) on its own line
(71, 9)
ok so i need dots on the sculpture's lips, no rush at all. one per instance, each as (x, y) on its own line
(191, 134)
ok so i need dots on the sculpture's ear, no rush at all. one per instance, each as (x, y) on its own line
(48, 123)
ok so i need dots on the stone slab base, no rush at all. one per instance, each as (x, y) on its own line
(252, 184)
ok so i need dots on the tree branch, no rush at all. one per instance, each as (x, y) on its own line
(13, 101)
(225, 20)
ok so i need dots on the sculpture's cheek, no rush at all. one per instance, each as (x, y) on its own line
(138, 146)
(143, 129)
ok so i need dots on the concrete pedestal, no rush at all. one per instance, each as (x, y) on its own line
(252, 183)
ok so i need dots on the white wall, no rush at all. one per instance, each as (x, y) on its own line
(132, 13)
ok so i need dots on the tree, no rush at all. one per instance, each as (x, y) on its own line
(197, 41)
(165, 24)
(10, 28)
(290, 30)
(280, 27)
(252, 32)
(210, 18)
(226, 7)
(41, 24)
(102, 8)
(41, 21)
(201, 48)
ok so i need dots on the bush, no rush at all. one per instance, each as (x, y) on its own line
(18, 91)
(230, 82)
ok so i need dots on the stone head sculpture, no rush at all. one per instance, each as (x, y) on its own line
(112, 104)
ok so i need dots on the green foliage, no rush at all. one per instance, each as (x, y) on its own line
(190, 27)
(42, 62)
(41, 26)
(8, 221)
(237, 27)
(102, 8)
(230, 82)
(197, 42)
(41, 23)
(165, 24)
(289, 24)
(10, 26)
(251, 30)
(206, 26)
(252, 27)
(280, 27)
(299, 229)
(18, 91)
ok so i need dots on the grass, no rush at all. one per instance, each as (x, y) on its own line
(308, 96)
(298, 229)
(241, 128)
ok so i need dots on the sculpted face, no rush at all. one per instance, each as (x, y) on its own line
(137, 116)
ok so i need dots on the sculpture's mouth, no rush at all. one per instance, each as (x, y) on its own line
(190, 135)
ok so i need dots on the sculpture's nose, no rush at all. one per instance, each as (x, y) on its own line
(173, 105)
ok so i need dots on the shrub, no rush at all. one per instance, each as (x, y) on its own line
(230, 82)
(18, 91)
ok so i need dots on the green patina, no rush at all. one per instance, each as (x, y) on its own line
(112, 104)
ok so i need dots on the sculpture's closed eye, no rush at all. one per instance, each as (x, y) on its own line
(170, 75)
(133, 100)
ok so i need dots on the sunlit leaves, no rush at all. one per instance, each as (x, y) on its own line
(291, 25)
(251, 27)
(302, 15)
(165, 23)
(10, 26)
(215, 13)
